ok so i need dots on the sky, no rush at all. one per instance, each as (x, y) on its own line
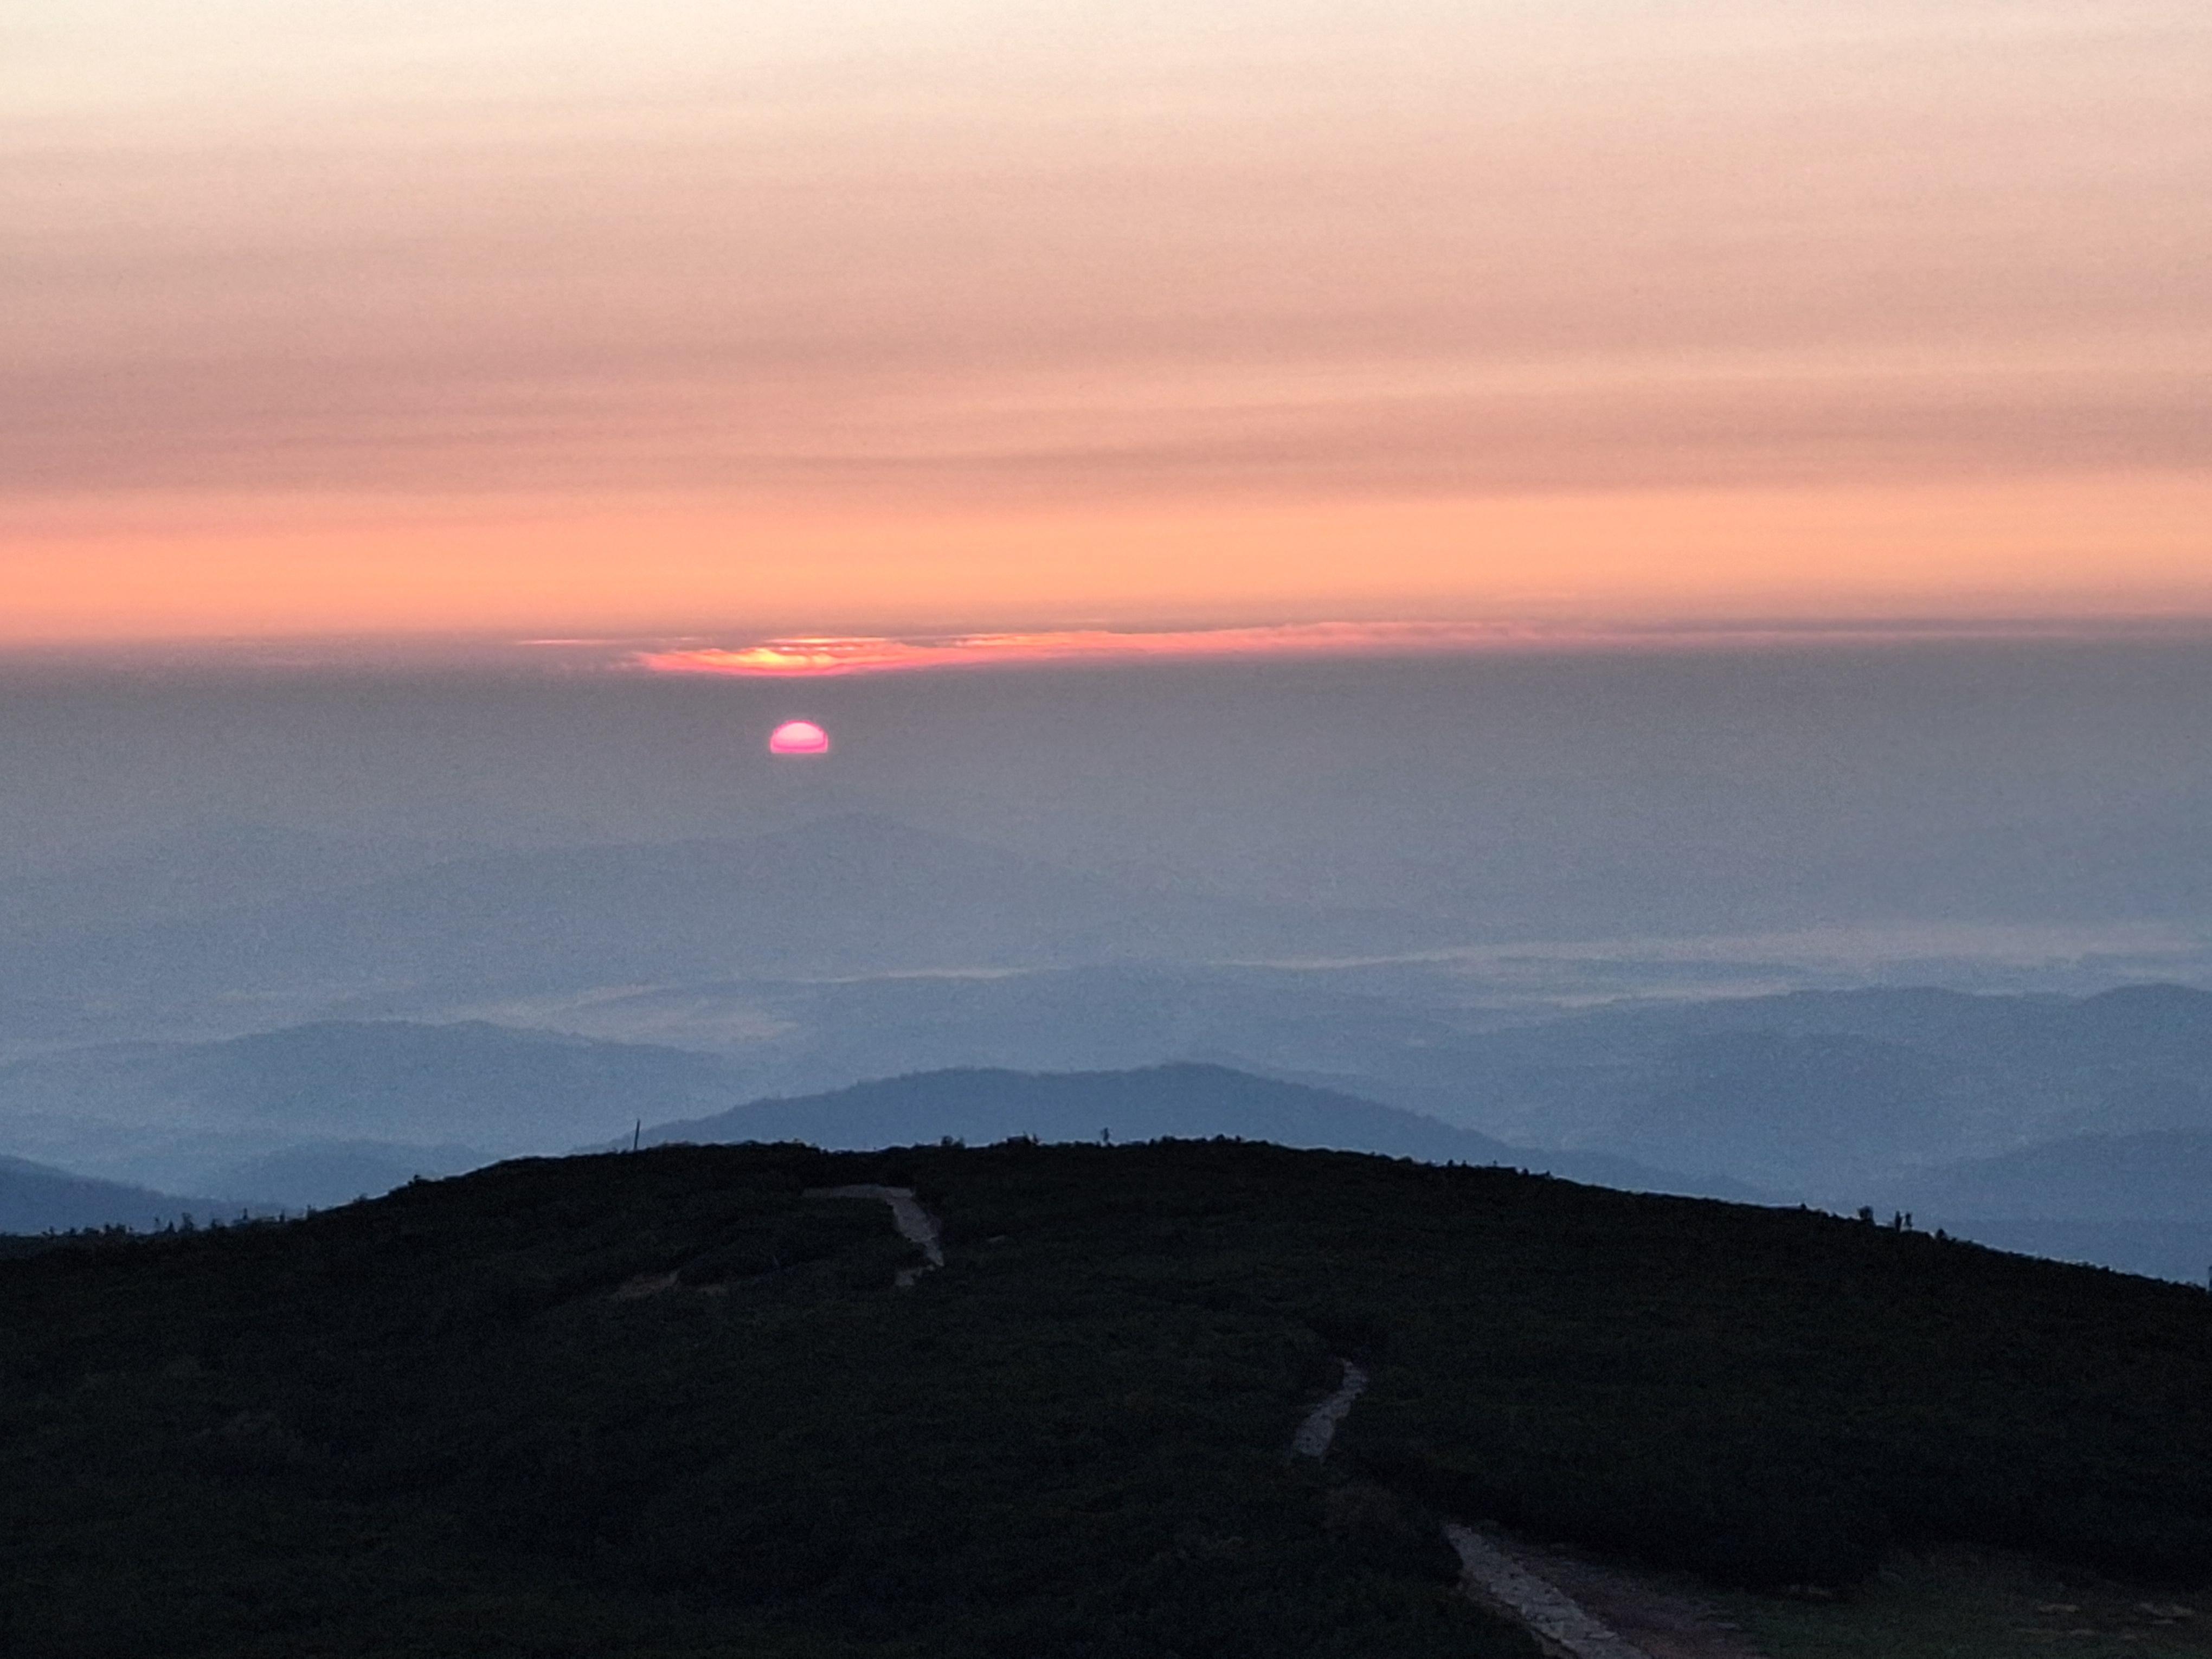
(718, 325)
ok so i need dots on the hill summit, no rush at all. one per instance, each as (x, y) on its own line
(1183, 1100)
(704, 1400)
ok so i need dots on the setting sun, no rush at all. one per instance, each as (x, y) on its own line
(798, 737)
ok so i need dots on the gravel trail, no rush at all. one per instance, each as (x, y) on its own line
(914, 1222)
(1320, 1427)
(1561, 1626)
(1487, 1574)
(1559, 1623)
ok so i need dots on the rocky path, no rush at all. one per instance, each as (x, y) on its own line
(1320, 1427)
(914, 1222)
(1666, 1625)
(1558, 1622)
(1662, 1620)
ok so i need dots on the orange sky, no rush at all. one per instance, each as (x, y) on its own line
(477, 316)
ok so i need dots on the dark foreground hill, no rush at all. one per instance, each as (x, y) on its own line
(668, 1404)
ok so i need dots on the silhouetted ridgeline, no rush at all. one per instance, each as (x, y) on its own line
(36, 1198)
(1152, 1102)
(1970, 1111)
(318, 1114)
(321, 1114)
(665, 1403)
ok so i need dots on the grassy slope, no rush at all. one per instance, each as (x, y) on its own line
(426, 1424)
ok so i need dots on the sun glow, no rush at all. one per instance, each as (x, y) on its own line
(798, 737)
(871, 654)
(830, 656)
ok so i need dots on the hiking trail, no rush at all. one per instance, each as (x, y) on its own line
(914, 1223)
(1488, 1576)
(1558, 1622)
(1320, 1427)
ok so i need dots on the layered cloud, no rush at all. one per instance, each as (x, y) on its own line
(480, 264)
(834, 657)
(820, 656)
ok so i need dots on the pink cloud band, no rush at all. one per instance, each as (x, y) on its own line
(820, 656)
(813, 656)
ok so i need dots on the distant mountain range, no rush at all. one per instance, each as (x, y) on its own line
(1824, 1095)
(2165, 1175)
(435, 1098)
(2141, 1202)
(35, 1198)
(1819, 1092)
(321, 1114)
(2030, 1111)
(318, 1173)
(1188, 1102)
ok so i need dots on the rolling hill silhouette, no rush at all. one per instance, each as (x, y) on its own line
(35, 1198)
(693, 1401)
(203, 1113)
(1184, 1101)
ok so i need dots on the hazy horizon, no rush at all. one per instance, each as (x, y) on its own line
(1366, 783)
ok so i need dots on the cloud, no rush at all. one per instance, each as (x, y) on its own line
(1783, 257)
(807, 658)
(831, 656)
(860, 318)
